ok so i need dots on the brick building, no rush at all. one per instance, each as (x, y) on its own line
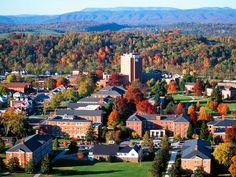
(70, 126)
(31, 148)
(218, 128)
(92, 115)
(156, 123)
(196, 153)
(19, 87)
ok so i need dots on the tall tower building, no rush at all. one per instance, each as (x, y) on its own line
(131, 65)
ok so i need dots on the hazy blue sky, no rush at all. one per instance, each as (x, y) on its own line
(13, 7)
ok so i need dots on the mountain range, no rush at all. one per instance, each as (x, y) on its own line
(132, 16)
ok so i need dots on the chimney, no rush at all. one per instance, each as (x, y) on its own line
(223, 117)
(196, 148)
(22, 140)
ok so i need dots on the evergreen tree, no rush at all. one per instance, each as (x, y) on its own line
(210, 138)
(55, 144)
(46, 165)
(204, 131)
(90, 135)
(29, 168)
(199, 172)
(175, 170)
(216, 95)
(73, 147)
(2, 164)
(2, 144)
(190, 131)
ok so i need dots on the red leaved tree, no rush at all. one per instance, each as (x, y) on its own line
(145, 107)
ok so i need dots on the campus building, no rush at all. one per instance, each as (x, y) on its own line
(131, 65)
(33, 148)
(196, 153)
(158, 125)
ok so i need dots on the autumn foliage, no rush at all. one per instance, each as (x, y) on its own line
(213, 105)
(197, 88)
(223, 109)
(232, 168)
(203, 115)
(134, 95)
(180, 109)
(115, 79)
(172, 87)
(113, 119)
(191, 109)
(145, 107)
(193, 117)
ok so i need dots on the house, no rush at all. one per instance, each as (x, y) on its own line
(103, 152)
(69, 126)
(21, 102)
(92, 115)
(19, 87)
(112, 91)
(158, 125)
(228, 93)
(218, 128)
(33, 148)
(196, 153)
(189, 86)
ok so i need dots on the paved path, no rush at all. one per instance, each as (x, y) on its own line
(171, 161)
(37, 174)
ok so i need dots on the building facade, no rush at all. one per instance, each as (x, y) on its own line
(33, 148)
(196, 153)
(174, 125)
(131, 65)
(70, 126)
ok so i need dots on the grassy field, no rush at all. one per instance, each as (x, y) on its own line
(188, 98)
(232, 106)
(105, 170)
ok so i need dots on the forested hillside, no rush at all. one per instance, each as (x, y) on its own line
(172, 51)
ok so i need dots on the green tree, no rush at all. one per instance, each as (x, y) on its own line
(190, 131)
(2, 164)
(175, 170)
(55, 144)
(11, 78)
(56, 100)
(73, 148)
(216, 95)
(3, 90)
(90, 135)
(50, 83)
(13, 121)
(204, 131)
(199, 172)
(13, 164)
(2, 144)
(223, 153)
(29, 168)
(46, 165)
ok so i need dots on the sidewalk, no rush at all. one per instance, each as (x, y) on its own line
(171, 161)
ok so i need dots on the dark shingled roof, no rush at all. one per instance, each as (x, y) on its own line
(31, 143)
(93, 100)
(223, 123)
(111, 90)
(137, 117)
(79, 113)
(125, 149)
(101, 149)
(69, 119)
(203, 149)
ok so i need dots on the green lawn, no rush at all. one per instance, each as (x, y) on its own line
(188, 98)
(232, 106)
(104, 169)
